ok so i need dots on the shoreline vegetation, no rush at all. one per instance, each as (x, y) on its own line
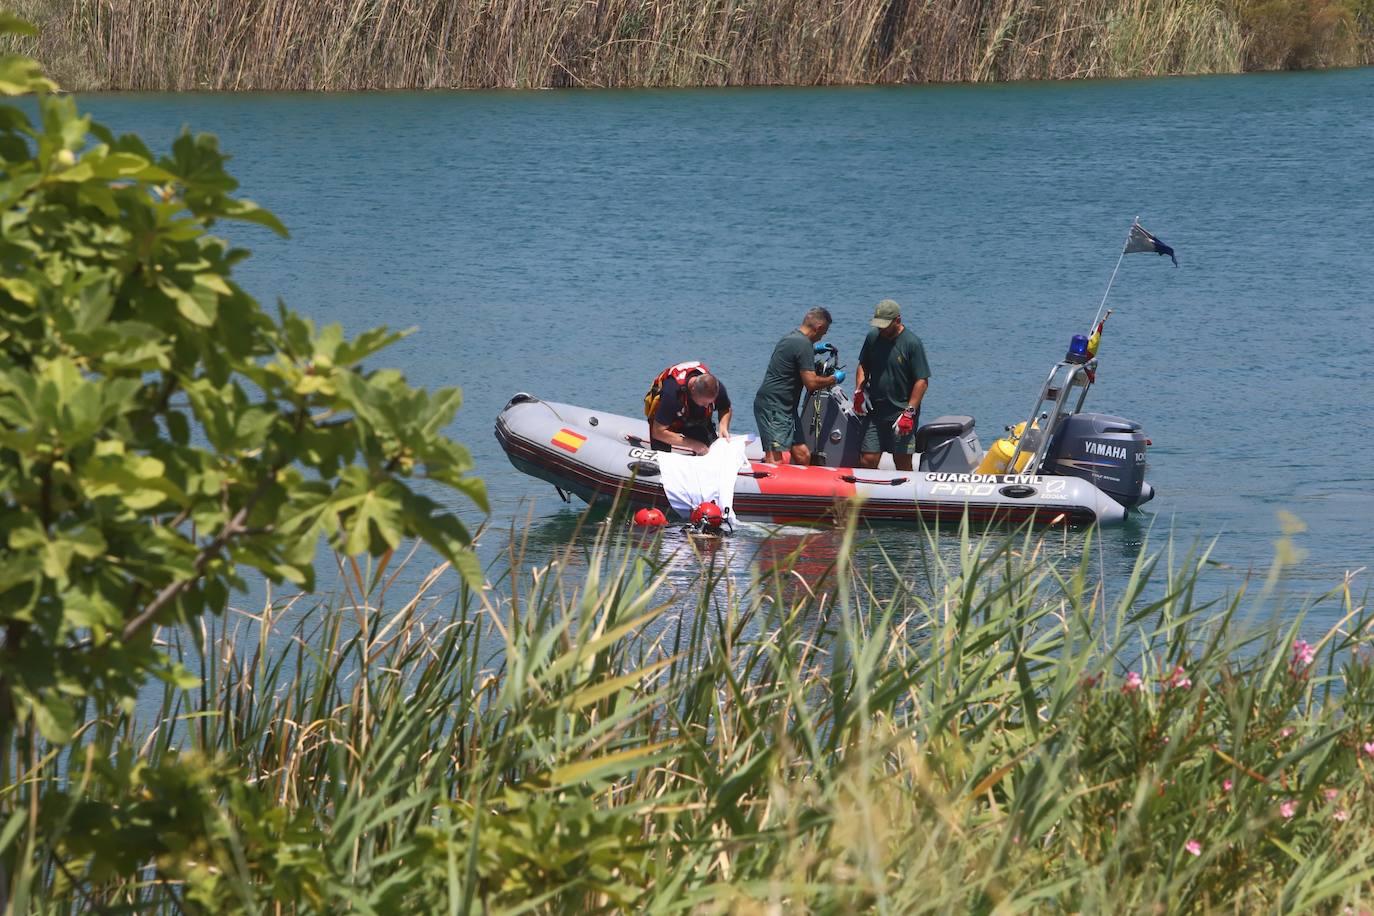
(992, 733)
(338, 45)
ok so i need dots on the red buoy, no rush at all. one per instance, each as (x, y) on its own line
(650, 518)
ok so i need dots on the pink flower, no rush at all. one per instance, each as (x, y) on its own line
(1341, 815)
(1288, 808)
(1178, 680)
(1331, 794)
(1133, 684)
(1226, 785)
(1303, 655)
(1369, 748)
(1194, 847)
(1285, 732)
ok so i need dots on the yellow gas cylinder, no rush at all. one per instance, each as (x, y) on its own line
(999, 454)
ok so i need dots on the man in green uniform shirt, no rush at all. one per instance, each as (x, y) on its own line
(890, 383)
(792, 367)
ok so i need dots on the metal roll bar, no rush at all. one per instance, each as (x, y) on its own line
(1050, 410)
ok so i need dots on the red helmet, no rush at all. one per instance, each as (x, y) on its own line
(708, 514)
(650, 518)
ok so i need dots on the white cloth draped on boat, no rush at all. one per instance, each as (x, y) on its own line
(690, 480)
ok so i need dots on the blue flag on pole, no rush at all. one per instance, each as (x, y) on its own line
(1140, 240)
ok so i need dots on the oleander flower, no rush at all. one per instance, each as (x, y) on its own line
(1178, 679)
(1288, 808)
(1369, 748)
(1226, 785)
(1194, 847)
(1341, 815)
(1133, 684)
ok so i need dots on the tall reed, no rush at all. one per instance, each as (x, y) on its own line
(381, 44)
(993, 733)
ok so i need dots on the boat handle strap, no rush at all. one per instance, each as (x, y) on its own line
(637, 442)
(894, 482)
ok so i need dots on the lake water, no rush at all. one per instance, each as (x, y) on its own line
(571, 244)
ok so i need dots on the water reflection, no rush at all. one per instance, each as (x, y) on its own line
(793, 565)
(768, 569)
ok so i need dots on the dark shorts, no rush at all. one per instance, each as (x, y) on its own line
(879, 436)
(705, 434)
(778, 430)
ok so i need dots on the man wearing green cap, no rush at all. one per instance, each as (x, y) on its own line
(891, 381)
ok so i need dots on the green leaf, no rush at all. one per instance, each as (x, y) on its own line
(376, 522)
(90, 610)
(177, 675)
(11, 24)
(198, 306)
(23, 76)
(54, 716)
(214, 283)
(16, 821)
(249, 212)
(444, 532)
(603, 689)
(609, 766)
(17, 569)
(19, 290)
(27, 535)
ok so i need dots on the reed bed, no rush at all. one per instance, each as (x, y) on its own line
(993, 733)
(427, 44)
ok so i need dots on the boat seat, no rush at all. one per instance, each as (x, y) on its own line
(941, 428)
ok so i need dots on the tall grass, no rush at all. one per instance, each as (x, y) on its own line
(377, 44)
(991, 734)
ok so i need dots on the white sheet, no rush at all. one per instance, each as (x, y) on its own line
(690, 480)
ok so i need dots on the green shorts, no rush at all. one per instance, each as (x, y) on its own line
(879, 436)
(778, 430)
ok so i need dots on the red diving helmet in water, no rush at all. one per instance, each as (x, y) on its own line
(708, 515)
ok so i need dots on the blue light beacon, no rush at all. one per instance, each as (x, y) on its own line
(1078, 349)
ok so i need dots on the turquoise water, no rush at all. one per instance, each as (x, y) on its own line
(570, 244)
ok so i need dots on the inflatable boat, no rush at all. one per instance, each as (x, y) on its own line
(1060, 467)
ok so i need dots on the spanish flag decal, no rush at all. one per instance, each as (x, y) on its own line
(568, 440)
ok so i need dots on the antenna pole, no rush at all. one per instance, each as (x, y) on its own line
(1108, 290)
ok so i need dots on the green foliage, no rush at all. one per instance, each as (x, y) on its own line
(988, 733)
(161, 434)
(195, 822)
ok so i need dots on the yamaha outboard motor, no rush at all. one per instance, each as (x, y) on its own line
(1107, 451)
